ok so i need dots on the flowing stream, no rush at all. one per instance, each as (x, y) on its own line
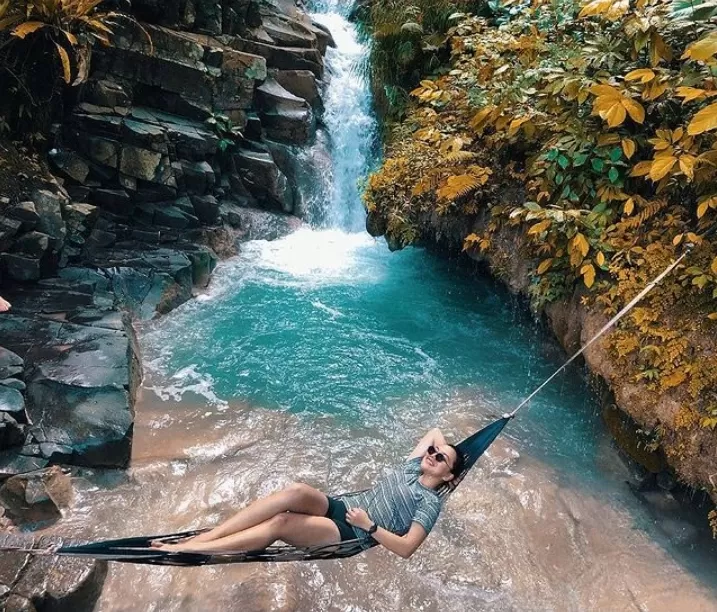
(322, 357)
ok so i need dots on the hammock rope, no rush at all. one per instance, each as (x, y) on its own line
(138, 549)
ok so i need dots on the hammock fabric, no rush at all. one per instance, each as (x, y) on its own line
(138, 550)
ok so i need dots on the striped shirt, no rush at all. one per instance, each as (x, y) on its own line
(396, 501)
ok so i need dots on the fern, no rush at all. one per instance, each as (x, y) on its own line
(458, 186)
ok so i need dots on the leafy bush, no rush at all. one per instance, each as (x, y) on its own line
(603, 118)
(46, 41)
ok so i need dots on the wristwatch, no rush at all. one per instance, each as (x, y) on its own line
(372, 529)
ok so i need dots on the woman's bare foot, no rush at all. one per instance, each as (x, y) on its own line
(4, 305)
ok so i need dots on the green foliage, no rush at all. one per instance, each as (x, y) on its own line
(407, 40)
(229, 134)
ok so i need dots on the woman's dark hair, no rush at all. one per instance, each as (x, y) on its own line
(459, 463)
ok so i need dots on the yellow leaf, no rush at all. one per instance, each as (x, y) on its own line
(687, 165)
(713, 267)
(27, 28)
(704, 121)
(712, 316)
(702, 209)
(677, 239)
(702, 49)
(673, 380)
(629, 206)
(65, 59)
(581, 243)
(615, 116)
(606, 91)
(634, 109)
(600, 259)
(71, 38)
(692, 237)
(661, 167)
(539, 228)
(689, 93)
(545, 265)
(588, 272)
(641, 168)
(516, 123)
(644, 75)
(628, 147)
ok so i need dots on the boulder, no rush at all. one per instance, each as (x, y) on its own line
(285, 117)
(80, 219)
(80, 384)
(146, 164)
(285, 58)
(36, 496)
(264, 180)
(49, 583)
(33, 244)
(288, 32)
(70, 165)
(20, 267)
(301, 83)
(117, 201)
(12, 464)
(12, 402)
(49, 208)
(26, 213)
(12, 434)
(148, 282)
(324, 38)
(13, 383)
(9, 228)
(104, 92)
(256, 224)
(199, 177)
(10, 363)
(208, 18)
(170, 216)
(101, 151)
(206, 209)
(145, 135)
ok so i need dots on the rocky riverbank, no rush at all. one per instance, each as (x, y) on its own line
(178, 146)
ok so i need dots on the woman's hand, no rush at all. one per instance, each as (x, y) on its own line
(359, 518)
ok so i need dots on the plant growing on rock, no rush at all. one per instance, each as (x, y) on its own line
(35, 31)
(229, 134)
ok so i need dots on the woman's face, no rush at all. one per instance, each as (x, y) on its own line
(438, 461)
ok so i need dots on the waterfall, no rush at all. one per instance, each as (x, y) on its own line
(329, 184)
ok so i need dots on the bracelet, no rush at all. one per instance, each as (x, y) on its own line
(371, 530)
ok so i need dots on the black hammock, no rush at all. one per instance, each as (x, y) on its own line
(138, 550)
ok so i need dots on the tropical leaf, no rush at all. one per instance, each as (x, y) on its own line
(457, 186)
(65, 60)
(27, 28)
(704, 121)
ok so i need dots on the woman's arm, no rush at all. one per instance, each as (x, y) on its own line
(404, 546)
(433, 438)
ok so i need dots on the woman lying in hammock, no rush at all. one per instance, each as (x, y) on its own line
(398, 512)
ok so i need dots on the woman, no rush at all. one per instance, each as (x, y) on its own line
(398, 513)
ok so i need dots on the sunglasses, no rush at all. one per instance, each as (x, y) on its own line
(440, 457)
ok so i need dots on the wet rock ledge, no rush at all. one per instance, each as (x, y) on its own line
(144, 186)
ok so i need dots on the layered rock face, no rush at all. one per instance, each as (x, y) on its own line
(164, 160)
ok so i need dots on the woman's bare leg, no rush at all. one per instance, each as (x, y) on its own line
(295, 529)
(297, 497)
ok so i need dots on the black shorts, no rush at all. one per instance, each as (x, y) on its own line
(337, 513)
